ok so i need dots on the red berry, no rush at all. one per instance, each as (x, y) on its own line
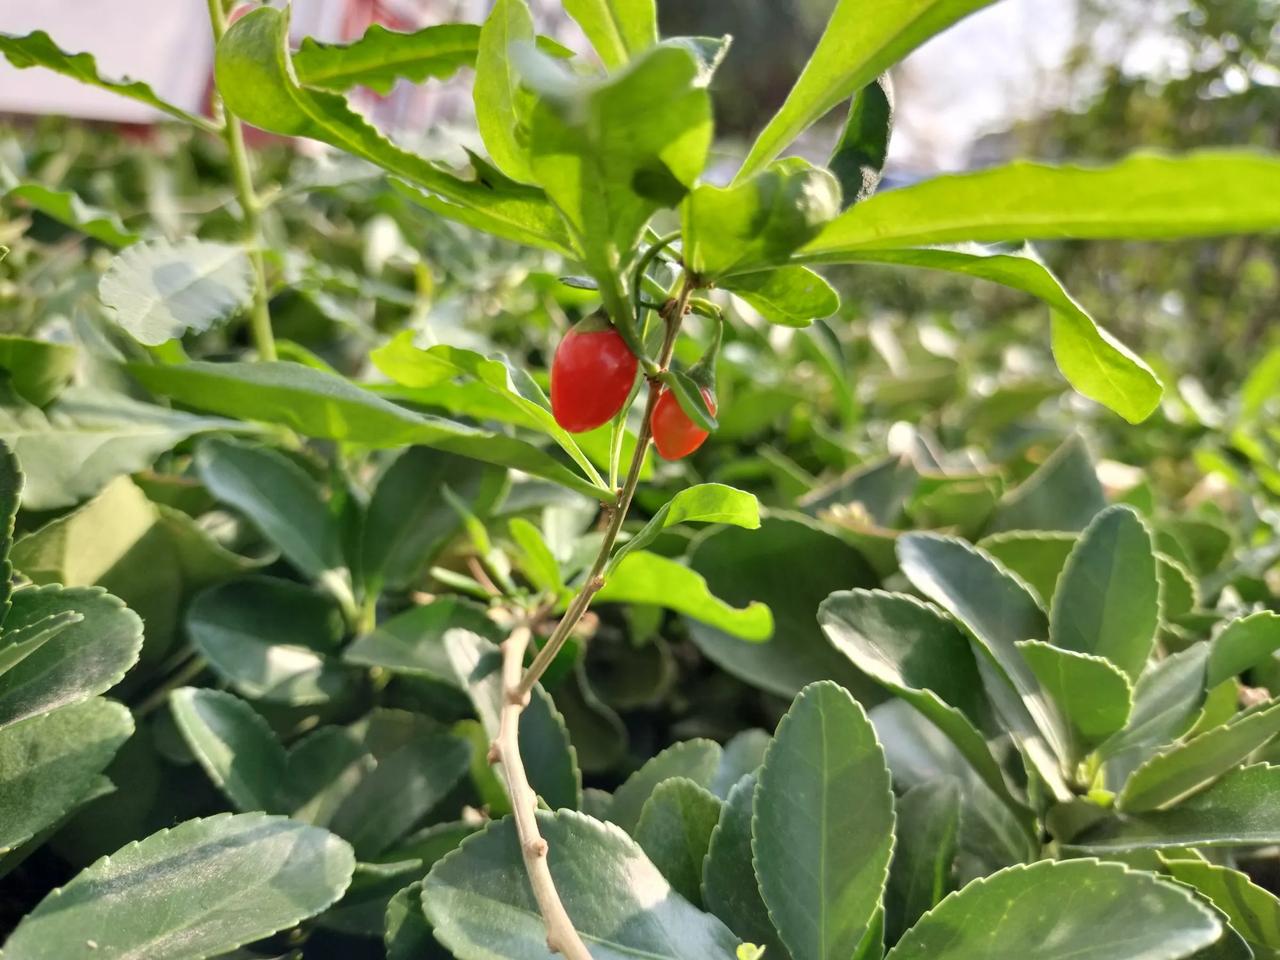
(591, 375)
(674, 434)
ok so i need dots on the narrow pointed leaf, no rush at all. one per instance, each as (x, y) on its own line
(496, 92)
(382, 57)
(860, 153)
(68, 209)
(617, 29)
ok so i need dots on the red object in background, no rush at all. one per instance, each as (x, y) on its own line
(674, 434)
(591, 375)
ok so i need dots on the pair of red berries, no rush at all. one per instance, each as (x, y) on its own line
(591, 378)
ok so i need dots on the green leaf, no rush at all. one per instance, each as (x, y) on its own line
(742, 755)
(404, 787)
(1179, 590)
(1037, 556)
(480, 905)
(1093, 361)
(281, 500)
(729, 886)
(158, 291)
(382, 57)
(412, 643)
(264, 636)
(323, 405)
(408, 935)
(497, 92)
(1062, 495)
(81, 660)
(758, 223)
(823, 827)
(407, 521)
(444, 367)
(11, 495)
(688, 393)
(322, 769)
(701, 503)
(1254, 912)
(20, 643)
(1243, 644)
(928, 827)
(234, 745)
(789, 296)
(37, 49)
(67, 208)
(863, 147)
(1241, 809)
(617, 29)
(913, 649)
(1173, 774)
(693, 760)
(38, 370)
(242, 878)
(50, 762)
(1166, 700)
(608, 161)
(999, 612)
(1092, 693)
(1144, 196)
(1108, 599)
(860, 43)
(1023, 911)
(648, 578)
(549, 758)
(89, 437)
(536, 559)
(674, 831)
(255, 76)
(791, 565)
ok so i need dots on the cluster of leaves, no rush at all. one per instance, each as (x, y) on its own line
(1060, 688)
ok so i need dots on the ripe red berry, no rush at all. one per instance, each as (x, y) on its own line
(674, 434)
(591, 375)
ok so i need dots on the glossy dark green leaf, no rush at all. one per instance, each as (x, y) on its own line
(49, 762)
(1091, 692)
(790, 296)
(927, 828)
(644, 577)
(37, 49)
(693, 760)
(999, 612)
(1241, 809)
(729, 886)
(37, 370)
(1181, 770)
(617, 29)
(234, 745)
(551, 763)
(197, 890)
(1144, 196)
(256, 78)
(1242, 645)
(323, 405)
(158, 291)
(674, 831)
(860, 153)
(87, 438)
(321, 770)
(400, 792)
(81, 660)
(913, 649)
(382, 57)
(792, 565)
(1108, 599)
(822, 834)
(1023, 911)
(1253, 911)
(1037, 556)
(267, 637)
(860, 43)
(480, 905)
(757, 223)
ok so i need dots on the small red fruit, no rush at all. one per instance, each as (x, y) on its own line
(674, 434)
(591, 375)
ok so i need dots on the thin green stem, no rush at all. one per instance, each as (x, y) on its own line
(673, 316)
(250, 206)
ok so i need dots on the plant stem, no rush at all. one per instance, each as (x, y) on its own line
(561, 935)
(251, 209)
(673, 316)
